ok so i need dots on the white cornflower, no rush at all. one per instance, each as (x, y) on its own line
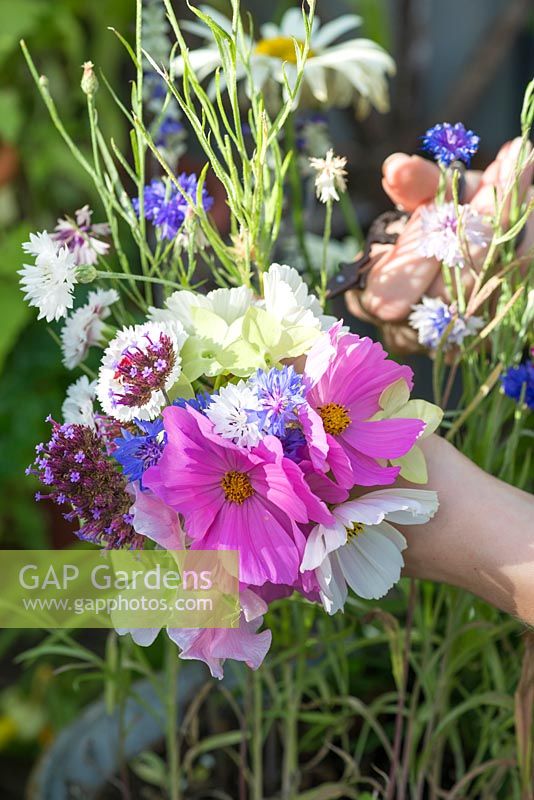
(330, 176)
(234, 413)
(431, 317)
(49, 283)
(84, 327)
(78, 406)
(80, 236)
(361, 549)
(446, 234)
(140, 365)
(334, 74)
(286, 298)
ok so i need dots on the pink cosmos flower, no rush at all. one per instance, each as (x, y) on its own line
(346, 375)
(231, 498)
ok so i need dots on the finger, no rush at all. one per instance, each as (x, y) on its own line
(400, 277)
(400, 338)
(353, 297)
(409, 180)
(499, 177)
(526, 246)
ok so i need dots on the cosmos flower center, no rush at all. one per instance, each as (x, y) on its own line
(335, 418)
(282, 47)
(237, 487)
(355, 530)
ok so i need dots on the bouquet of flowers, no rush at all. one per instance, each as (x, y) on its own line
(242, 418)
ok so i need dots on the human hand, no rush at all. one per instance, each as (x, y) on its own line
(481, 539)
(398, 276)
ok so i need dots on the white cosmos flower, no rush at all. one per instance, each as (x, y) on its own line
(228, 304)
(84, 327)
(140, 365)
(334, 74)
(234, 413)
(286, 298)
(361, 549)
(330, 176)
(446, 233)
(49, 283)
(78, 406)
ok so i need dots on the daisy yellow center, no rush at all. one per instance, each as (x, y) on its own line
(282, 47)
(335, 418)
(237, 487)
(355, 530)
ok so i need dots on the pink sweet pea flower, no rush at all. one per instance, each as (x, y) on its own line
(215, 645)
(346, 375)
(232, 498)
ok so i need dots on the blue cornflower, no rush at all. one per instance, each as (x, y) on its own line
(166, 207)
(431, 318)
(280, 392)
(292, 444)
(168, 128)
(519, 381)
(137, 453)
(448, 143)
(200, 402)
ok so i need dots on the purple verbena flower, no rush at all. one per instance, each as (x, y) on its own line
(448, 143)
(93, 486)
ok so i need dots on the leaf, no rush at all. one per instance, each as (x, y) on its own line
(413, 466)
(394, 397)
(150, 768)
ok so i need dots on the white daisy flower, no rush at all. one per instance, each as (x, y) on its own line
(84, 328)
(330, 176)
(286, 298)
(334, 74)
(445, 234)
(78, 406)
(361, 549)
(49, 283)
(234, 413)
(140, 365)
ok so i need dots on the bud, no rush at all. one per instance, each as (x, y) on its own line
(86, 274)
(89, 81)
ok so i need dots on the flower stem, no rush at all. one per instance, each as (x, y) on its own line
(119, 276)
(257, 737)
(297, 198)
(350, 217)
(326, 241)
(173, 750)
